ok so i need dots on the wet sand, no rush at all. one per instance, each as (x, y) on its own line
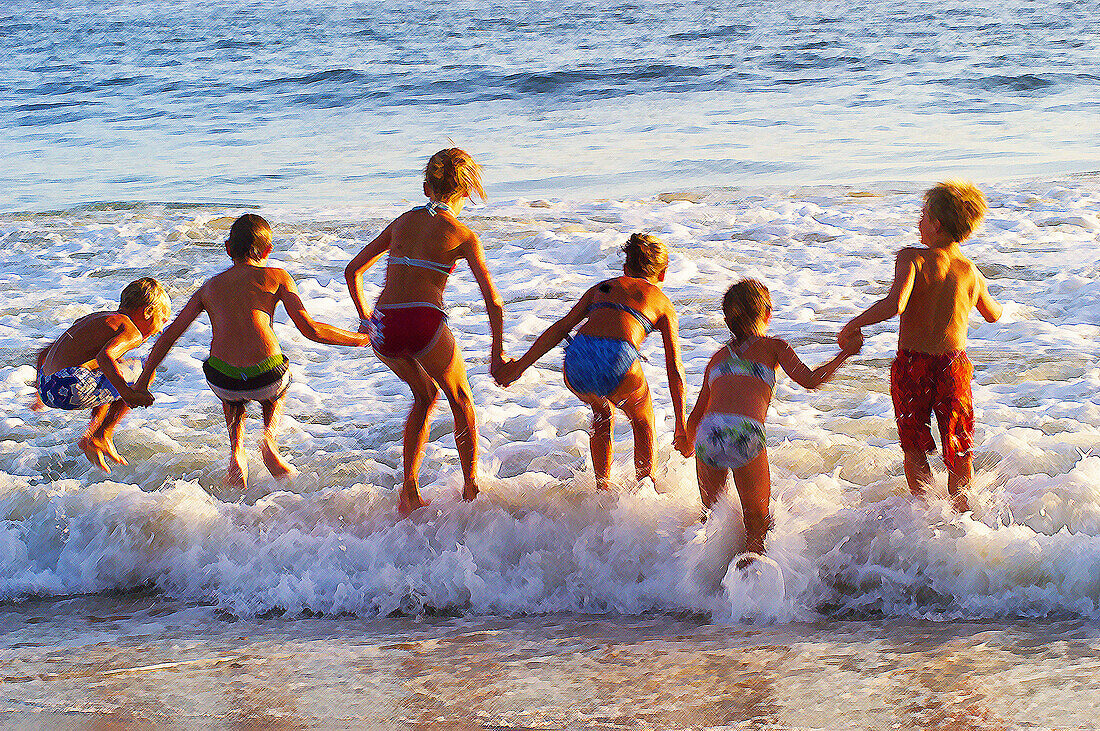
(141, 661)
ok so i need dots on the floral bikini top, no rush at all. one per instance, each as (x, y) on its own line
(736, 365)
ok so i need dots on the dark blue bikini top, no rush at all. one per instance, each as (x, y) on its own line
(645, 322)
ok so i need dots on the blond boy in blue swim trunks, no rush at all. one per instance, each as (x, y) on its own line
(246, 362)
(601, 364)
(726, 427)
(84, 368)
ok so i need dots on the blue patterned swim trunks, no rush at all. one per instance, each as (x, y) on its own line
(77, 388)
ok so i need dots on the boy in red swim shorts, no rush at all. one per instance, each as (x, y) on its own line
(934, 289)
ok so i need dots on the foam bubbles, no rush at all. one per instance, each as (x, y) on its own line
(848, 540)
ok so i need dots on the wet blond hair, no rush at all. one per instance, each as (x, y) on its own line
(646, 255)
(249, 238)
(746, 306)
(142, 293)
(453, 173)
(959, 207)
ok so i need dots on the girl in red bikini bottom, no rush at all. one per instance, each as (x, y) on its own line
(408, 325)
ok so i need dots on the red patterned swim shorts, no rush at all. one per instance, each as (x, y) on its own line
(923, 383)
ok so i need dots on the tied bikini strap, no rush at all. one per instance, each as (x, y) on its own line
(434, 206)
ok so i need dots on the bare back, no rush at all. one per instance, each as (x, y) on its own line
(636, 293)
(82, 343)
(241, 303)
(945, 287)
(418, 235)
(741, 380)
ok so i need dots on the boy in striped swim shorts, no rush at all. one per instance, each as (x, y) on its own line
(246, 362)
(935, 287)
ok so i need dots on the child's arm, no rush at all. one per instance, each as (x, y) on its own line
(670, 335)
(494, 305)
(988, 307)
(553, 335)
(365, 259)
(168, 338)
(126, 338)
(37, 404)
(42, 356)
(318, 332)
(801, 374)
(892, 304)
(696, 415)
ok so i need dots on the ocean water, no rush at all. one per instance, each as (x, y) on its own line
(757, 139)
(309, 101)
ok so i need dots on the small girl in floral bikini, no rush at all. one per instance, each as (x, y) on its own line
(726, 426)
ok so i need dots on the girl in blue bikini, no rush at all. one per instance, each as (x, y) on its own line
(726, 426)
(601, 361)
(408, 325)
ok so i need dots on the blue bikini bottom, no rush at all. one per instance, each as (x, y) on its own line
(597, 365)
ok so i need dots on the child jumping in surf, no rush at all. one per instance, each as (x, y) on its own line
(726, 426)
(408, 326)
(84, 368)
(934, 289)
(601, 361)
(246, 362)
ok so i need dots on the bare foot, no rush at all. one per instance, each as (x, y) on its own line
(111, 452)
(410, 501)
(960, 503)
(746, 560)
(94, 453)
(469, 492)
(236, 475)
(37, 404)
(276, 465)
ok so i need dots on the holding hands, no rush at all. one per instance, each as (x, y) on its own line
(850, 339)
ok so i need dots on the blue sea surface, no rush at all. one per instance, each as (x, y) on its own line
(318, 102)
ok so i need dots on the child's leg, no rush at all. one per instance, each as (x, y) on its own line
(917, 472)
(98, 439)
(754, 486)
(236, 475)
(425, 393)
(638, 407)
(712, 482)
(444, 364)
(599, 441)
(958, 477)
(269, 447)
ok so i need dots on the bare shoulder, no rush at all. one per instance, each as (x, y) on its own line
(277, 279)
(718, 356)
(910, 254)
(117, 321)
(775, 346)
(661, 301)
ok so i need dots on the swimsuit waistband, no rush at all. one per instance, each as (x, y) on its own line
(410, 305)
(265, 365)
(946, 355)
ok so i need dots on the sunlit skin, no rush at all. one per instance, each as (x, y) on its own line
(443, 239)
(745, 395)
(632, 396)
(934, 290)
(97, 342)
(240, 303)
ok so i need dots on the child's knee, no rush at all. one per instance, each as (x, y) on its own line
(916, 457)
(427, 397)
